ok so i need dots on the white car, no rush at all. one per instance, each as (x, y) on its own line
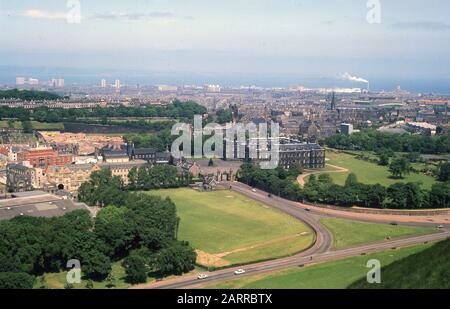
(254, 190)
(202, 276)
(239, 272)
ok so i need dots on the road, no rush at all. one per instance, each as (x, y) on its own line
(191, 281)
(318, 252)
(320, 212)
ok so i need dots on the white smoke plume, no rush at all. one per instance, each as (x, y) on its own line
(349, 77)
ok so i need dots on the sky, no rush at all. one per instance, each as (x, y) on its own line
(251, 38)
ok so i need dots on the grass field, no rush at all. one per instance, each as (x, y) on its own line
(228, 228)
(35, 125)
(350, 233)
(370, 173)
(328, 275)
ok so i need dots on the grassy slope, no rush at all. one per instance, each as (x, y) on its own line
(350, 233)
(370, 173)
(329, 275)
(223, 221)
(428, 269)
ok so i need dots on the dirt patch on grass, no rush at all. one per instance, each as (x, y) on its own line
(338, 169)
(263, 244)
(211, 260)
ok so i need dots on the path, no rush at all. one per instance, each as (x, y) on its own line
(301, 178)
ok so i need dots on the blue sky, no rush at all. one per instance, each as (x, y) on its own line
(284, 37)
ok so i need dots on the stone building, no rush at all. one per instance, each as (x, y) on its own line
(70, 177)
(18, 178)
(308, 155)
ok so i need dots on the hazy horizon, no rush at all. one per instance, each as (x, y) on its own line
(252, 41)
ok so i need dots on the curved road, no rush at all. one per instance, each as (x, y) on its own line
(318, 252)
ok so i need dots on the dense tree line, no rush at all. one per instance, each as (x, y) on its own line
(156, 177)
(321, 189)
(372, 140)
(19, 112)
(159, 141)
(177, 110)
(29, 95)
(138, 228)
(277, 181)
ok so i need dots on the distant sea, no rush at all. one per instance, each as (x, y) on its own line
(93, 77)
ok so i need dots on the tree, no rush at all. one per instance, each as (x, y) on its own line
(87, 248)
(383, 159)
(399, 167)
(114, 227)
(295, 169)
(324, 179)
(444, 172)
(440, 195)
(96, 265)
(155, 220)
(136, 269)
(224, 116)
(10, 280)
(351, 180)
(376, 194)
(405, 196)
(176, 259)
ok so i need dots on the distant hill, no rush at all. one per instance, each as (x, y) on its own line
(429, 269)
(28, 95)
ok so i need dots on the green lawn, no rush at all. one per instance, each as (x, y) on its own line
(35, 124)
(58, 280)
(328, 275)
(370, 173)
(350, 233)
(235, 229)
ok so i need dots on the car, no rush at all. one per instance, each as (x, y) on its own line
(307, 209)
(239, 272)
(394, 223)
(269, 195)
(440, 226)
(254, 190)
(202, 276)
